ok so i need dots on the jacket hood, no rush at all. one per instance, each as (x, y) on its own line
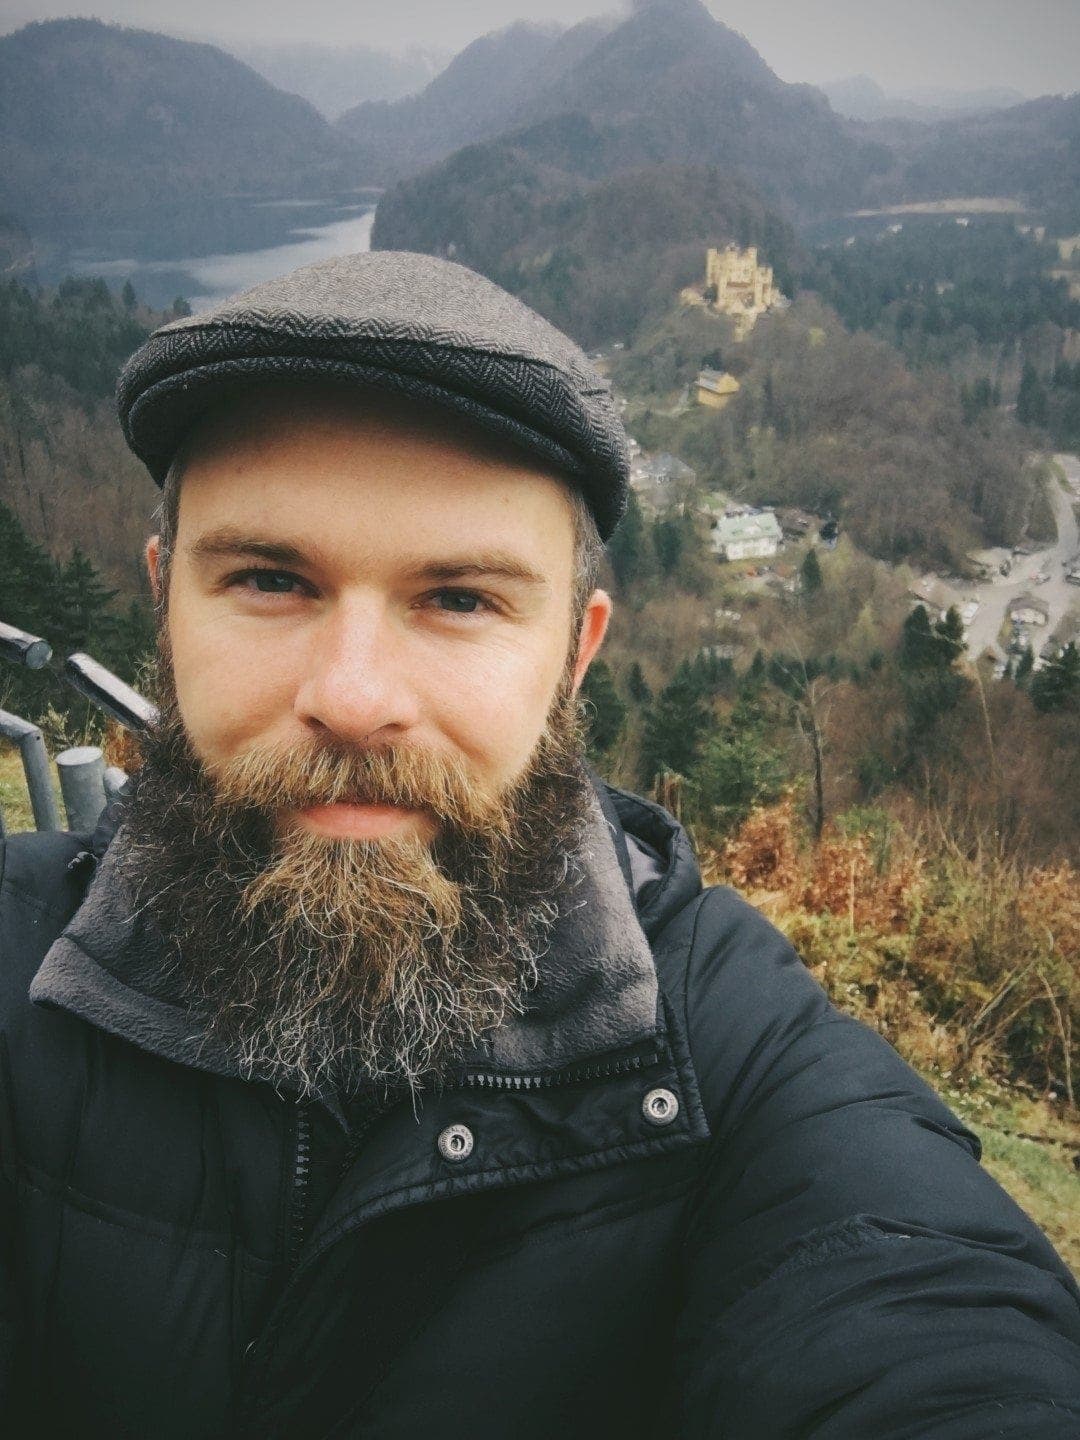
(660, 867)
(597, 991)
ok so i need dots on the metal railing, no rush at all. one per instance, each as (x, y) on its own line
(86, 782)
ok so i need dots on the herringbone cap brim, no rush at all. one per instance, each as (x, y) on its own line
(391, 320)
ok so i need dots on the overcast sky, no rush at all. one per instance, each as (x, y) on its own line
(1030, 45)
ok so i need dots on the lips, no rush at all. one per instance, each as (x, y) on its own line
(366, 821)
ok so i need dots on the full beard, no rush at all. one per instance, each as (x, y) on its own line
(323, 964)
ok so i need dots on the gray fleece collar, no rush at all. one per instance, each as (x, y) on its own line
(597, 991)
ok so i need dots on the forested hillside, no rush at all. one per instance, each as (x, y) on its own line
(1030, 151)
(65, 472)
(481, 92)
(100, 120)
(837, 424)
(595, 256)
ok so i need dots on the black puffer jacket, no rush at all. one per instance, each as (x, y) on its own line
(793, 1239)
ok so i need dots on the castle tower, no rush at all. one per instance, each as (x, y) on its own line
(743, 288)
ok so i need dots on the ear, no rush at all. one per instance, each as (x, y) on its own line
(153, 566)
(593, 629)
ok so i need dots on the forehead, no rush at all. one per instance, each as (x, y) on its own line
(369, 469)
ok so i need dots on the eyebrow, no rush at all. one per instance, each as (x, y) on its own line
(222, 544)
(494, 564)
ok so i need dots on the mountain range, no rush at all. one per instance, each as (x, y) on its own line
(667, 84)
(100, 120)
(484, 90)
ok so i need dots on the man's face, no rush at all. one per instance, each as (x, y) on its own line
(354, 821)
(384, 582)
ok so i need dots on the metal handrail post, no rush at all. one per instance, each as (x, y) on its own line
(35, 761)
(82, 784)
(109, 693)
(115, 780)
(22, 648)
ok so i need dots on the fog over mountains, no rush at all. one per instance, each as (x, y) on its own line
(335, 78)
(861, 98)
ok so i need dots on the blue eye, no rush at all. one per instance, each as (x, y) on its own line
(459, 602)
(272, 582)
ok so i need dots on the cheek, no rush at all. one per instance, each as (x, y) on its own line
(229, 690)
(496, 714)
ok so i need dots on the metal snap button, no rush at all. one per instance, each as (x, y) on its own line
(456, 1142)
(660, 1107)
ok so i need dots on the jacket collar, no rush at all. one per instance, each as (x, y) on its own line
(597, 990)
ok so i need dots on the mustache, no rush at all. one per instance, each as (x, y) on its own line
(285, 776)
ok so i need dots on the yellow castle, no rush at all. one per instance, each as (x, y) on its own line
(736, 285)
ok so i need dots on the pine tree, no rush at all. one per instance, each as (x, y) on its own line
(79, 606)
(1057, 685)
(949, 634)
(1024, 665)
(916, 640)
(926, 646)
(1031, 398)
(26, 576)
(604, 708)
(737, 770)
(932, 686)
(637, 686)
(668, 543)
(674, 727)
(627, 548)
(812, 578)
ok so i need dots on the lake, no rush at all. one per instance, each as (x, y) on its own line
(248, 243)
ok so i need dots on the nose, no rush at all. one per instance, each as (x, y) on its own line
(356, 683)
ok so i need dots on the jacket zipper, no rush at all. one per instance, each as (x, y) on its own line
(486, 1080)
(298, 1194)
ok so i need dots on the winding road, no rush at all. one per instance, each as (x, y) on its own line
(995, 595)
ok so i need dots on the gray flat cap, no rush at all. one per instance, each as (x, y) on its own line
(423, 327)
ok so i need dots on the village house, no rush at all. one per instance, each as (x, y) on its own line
(662, 469)
(1028, 610)
(661, 480)
(934, 595)
(715, 388)
(747, 537)
(795, 523)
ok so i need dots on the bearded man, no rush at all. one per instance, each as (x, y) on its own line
(375, 1071)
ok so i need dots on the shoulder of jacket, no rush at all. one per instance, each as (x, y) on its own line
(731, 978)
(41, 887)
(716, 929)
(38, 868)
